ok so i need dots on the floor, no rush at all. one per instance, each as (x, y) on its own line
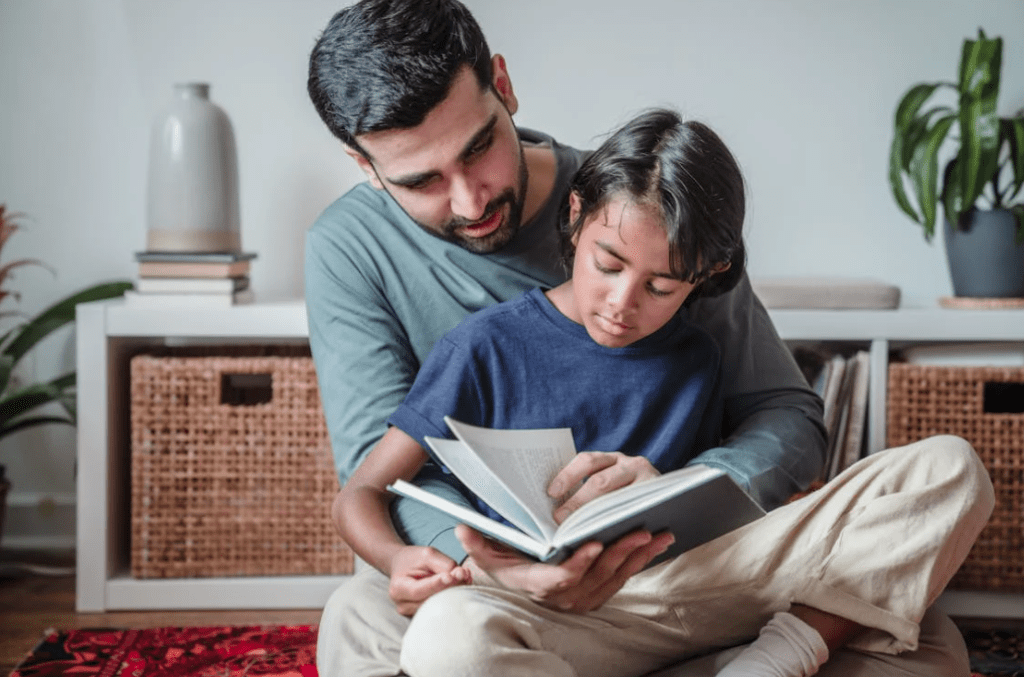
(41, 595)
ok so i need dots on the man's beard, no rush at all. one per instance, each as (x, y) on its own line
(506, 232)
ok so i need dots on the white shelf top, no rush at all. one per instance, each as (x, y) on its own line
(287, 319)
(265, 319)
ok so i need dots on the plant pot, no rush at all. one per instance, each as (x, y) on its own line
(985, 259)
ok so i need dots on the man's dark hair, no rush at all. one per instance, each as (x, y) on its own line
(385, 64)
(684, 170)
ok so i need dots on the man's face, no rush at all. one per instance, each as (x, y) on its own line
(460, 174)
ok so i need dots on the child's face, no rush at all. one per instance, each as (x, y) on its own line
(622, 287)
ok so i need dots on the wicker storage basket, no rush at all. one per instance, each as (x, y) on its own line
(231, 472)
(984, 405)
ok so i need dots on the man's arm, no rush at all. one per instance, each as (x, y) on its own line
(364, 366)
(775, 439)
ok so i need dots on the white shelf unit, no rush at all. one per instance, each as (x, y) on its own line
(109, 332)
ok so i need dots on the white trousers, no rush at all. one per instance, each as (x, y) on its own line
(876, 545)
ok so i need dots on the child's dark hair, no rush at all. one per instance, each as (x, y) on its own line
(684, 170)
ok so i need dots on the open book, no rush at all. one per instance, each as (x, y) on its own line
(511, 469)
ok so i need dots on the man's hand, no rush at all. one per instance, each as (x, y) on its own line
(419, 572)
(581, 583)
(600, 472)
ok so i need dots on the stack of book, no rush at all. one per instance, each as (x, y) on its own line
(841, 380)
(216, 279)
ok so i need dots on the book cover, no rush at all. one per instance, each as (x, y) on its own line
(184, 269)
(193, 257)
(135, 299)
(510, 471)
(191, 285)
(853, 441)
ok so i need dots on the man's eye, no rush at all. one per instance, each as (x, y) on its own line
(480, 147)
(419, 185)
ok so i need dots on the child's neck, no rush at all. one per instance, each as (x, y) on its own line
(564, 301)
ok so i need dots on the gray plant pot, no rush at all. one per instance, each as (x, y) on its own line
(985, 259)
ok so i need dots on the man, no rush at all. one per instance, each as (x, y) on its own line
(459, 212)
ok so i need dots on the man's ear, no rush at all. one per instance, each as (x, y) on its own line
(365, 165)
(503, 84)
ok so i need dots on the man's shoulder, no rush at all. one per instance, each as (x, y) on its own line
(360, 206)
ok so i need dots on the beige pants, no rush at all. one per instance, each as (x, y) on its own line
(876, 545)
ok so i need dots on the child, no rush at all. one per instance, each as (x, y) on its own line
(654, 219)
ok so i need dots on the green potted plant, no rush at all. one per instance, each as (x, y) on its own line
(25, 405)
(979, 185)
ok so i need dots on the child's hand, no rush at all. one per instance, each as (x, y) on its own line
(418, 572)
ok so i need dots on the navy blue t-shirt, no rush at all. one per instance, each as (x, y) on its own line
(522, 364)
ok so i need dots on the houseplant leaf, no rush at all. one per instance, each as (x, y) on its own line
(1012, 129)
(1018, 211)
(910, 129)
(924, 170)
(58, 315)
(16, 407)
(980, 66)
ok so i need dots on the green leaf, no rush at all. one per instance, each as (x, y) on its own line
(911, 102)
(917, 130)
(29, 398)
(952, 200)
(1018, 211)
(8, 427)
(58, 315)
(1012, 130)
(924, 169)
(6, 366)
(910, 129)
(980, 66)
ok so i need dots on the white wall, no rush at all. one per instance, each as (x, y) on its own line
(802, 90)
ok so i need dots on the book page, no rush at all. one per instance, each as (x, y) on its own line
(481, 523)
(524, 462)
(471, 471)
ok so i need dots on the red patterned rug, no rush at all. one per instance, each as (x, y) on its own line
(277, 651)
(290, 651)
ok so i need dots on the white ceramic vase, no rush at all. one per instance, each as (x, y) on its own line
(192, 195)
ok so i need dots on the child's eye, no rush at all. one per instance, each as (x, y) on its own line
(655, 291)
(603, 269)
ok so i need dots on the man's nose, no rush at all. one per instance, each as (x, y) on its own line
(468, 198)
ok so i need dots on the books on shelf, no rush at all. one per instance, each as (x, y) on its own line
(136, 299)
(191, 285)
(842, 383)
(191, 279)
(191, 264)
(511, 469)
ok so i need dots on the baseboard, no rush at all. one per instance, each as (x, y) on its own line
(38, 521)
